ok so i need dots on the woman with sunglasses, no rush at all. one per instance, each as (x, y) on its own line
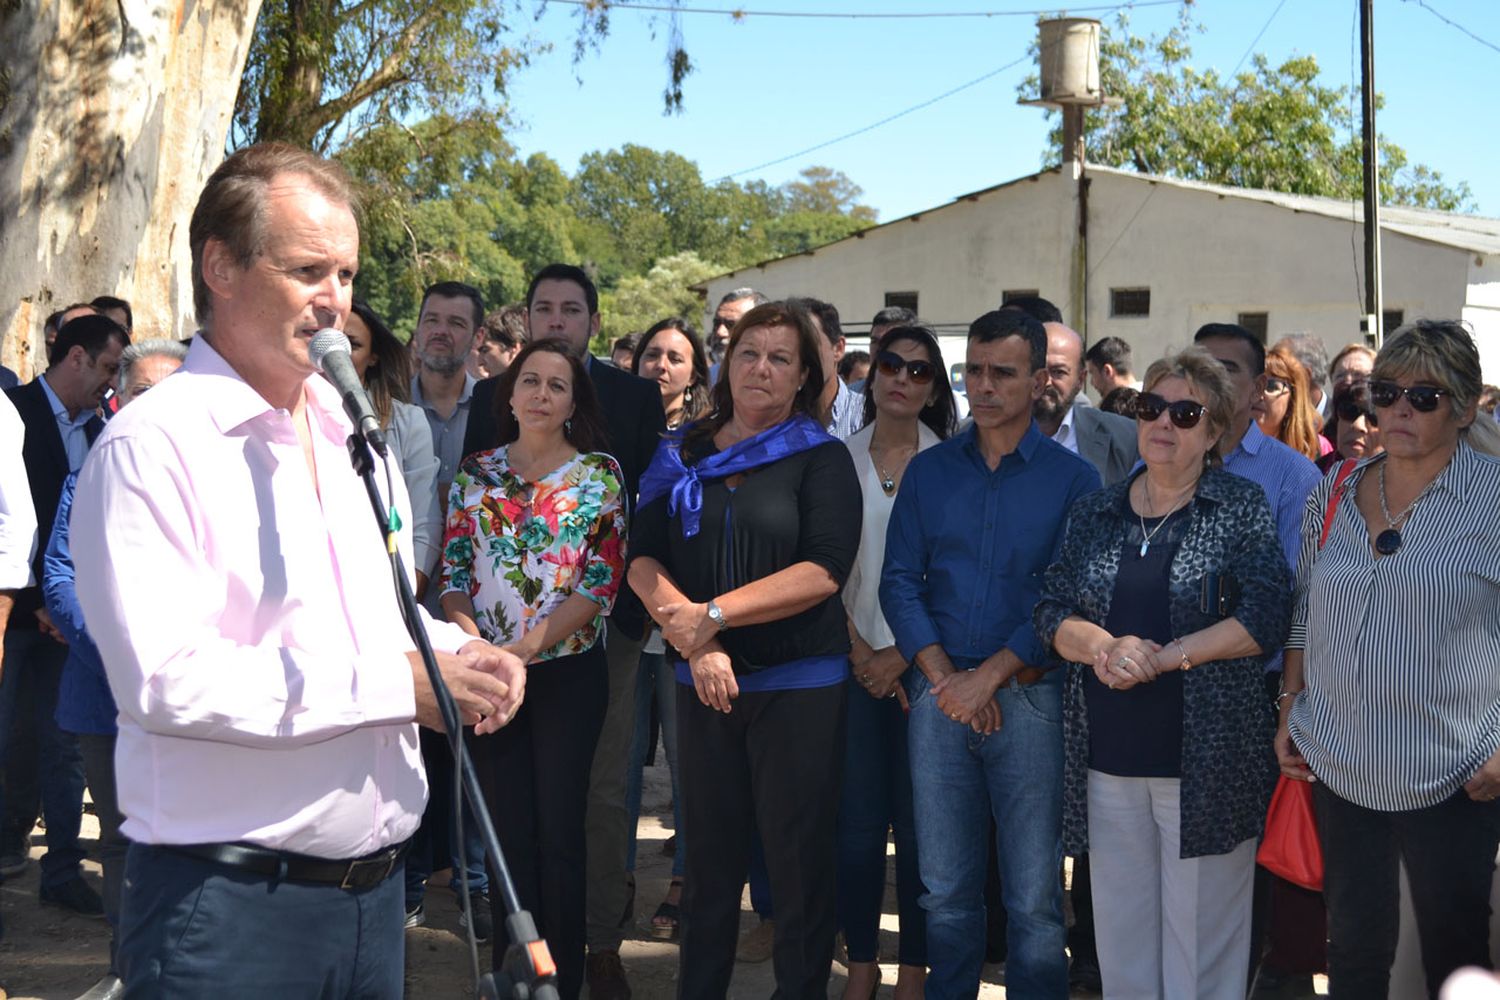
(1168, 588)
(1391, 700)
(1353, 426)
(1283, 409)
(908, 408)
(532, 559)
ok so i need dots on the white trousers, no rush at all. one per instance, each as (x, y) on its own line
(1167, 929)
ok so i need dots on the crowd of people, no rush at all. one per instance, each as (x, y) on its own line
(995, 626)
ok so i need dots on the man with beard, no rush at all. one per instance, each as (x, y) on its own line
(1106, 440)
(450, 325)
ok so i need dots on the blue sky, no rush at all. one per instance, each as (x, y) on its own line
(766, 87)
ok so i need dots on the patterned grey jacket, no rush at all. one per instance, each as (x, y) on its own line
(1228, 766)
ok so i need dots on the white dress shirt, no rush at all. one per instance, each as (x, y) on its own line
(17, 518)
(248, 622)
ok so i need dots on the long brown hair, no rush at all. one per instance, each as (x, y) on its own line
(1299, 428)
(695, 398)
(584, 430)
(808, 400)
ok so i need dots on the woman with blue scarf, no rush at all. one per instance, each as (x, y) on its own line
(748, 525)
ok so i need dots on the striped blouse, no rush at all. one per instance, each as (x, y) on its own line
(1402, 652)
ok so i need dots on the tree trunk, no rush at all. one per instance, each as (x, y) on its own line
(117, 113)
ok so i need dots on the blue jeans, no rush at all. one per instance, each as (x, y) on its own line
(876, 798)
(959, 780)
(654, 678)
(191, 928)
(33, 668)
(438, 817)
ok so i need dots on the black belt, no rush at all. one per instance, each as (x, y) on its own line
(356, 873)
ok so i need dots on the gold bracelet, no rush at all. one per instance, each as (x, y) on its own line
(1186, 663)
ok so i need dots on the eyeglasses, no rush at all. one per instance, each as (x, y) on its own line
(889, 364)
(723, 321)
(1423, 398)
(1276, 386)
(1185, 413)
(1349, 410)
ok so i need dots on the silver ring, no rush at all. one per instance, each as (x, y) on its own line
(1124, 660)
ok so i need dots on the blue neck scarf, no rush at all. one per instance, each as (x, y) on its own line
(682, 484)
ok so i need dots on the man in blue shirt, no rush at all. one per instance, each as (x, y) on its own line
(976, 523)
(1285, 474)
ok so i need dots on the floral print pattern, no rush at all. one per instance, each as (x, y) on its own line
(519, 549)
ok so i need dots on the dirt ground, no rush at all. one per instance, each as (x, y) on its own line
(51, 954)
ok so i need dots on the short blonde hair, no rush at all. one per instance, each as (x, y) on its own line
(1208, 378)
(1349, 349)
(1437, 351)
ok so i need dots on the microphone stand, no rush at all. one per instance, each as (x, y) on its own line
(528, 971)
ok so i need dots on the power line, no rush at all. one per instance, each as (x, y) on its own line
(1260, 34)
(740, 13)
(884, 121)
(1455, 24)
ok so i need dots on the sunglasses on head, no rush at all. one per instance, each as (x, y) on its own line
(1185, 413)
(889, 364)
(1423, 398)
(1349, 410)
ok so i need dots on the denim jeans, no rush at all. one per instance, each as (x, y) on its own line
(33, 661)
(654, 679)
(961, 779)
(876, 798)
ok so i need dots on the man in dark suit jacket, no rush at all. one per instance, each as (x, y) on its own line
(1106, 440)
(58, 411)
(562, 303)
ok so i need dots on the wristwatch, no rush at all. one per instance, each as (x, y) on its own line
(717, 616)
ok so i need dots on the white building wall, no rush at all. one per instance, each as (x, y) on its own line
(1482, 312)
(1205, 256)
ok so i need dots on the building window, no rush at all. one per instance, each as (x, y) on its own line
(905, 300)
(1007, 297)
(1391, 320)
(1130, 302)
(1256, 323)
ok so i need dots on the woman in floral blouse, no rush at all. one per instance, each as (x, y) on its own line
(532, 560)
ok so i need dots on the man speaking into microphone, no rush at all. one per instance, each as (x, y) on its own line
(239, 591)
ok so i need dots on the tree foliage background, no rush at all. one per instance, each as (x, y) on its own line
(1275, 127)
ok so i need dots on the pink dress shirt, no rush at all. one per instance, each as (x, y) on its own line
(248, 622)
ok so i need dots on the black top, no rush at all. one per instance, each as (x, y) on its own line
(797, 509)
(1137, 733)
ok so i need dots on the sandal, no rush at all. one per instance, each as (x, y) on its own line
(666, 923)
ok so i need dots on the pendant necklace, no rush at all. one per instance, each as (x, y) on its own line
(1389, 540)
(1148, 535)
(887, 480)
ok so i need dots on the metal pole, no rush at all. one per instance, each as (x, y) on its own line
(1073, 161)
(1374, 297)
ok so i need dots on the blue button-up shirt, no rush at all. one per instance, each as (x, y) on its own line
(847, 414)
(1285, 474)
(84, 702)
(967, 546)
(74, 430)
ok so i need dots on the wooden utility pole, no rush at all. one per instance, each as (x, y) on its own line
(1374, 297)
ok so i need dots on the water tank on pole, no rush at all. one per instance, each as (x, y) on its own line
(1070, 61)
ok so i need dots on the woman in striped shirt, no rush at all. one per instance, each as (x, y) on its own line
(1392, 684)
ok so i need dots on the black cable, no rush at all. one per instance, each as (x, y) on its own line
(740, 13)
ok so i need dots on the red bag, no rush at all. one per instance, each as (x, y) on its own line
(1290, 848)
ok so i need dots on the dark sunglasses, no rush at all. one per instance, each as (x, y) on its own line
(1276, 386)
(1350, 410)
(889, 364)
(1423, 398)
(1184, 413)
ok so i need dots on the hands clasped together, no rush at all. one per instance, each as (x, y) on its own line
(687, 628)
(1127, 661)
(488, 684)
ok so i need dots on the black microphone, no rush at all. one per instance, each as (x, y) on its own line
(329, 354)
